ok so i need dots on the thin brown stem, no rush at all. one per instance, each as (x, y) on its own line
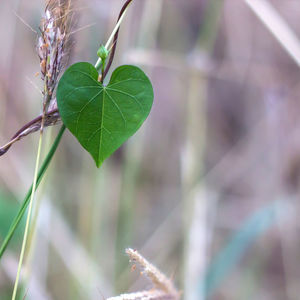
(19, 134)
(113, 50)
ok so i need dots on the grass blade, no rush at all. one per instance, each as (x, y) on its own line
(254, 227)
(24, 205)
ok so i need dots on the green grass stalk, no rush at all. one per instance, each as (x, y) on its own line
(28, 215)
(25, 203)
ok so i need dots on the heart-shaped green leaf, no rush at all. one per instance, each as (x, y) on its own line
(102, 117)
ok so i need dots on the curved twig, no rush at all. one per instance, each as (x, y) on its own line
(113, 49)
(51, 118)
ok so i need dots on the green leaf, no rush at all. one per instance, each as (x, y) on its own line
(102, 117)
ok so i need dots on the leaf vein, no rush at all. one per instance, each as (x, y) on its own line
(86, 74)
(117, 106)
(130, 79)
(131, 96)
(81, 87)
(83, 108)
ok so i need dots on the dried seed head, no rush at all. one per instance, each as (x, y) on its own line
(163, 288)
(54, 44)
(159, 280)
(144, 295)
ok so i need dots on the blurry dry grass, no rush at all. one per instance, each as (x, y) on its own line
(163, 287)
(177, 191)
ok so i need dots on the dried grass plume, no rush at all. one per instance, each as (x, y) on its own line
(54, 45)
(163, 287)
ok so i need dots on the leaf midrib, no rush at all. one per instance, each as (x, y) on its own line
(101, 89)
(101, 130)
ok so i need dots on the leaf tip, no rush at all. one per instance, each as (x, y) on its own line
(98, 164)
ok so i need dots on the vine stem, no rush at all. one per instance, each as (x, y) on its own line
(116, 28)
(114, 34)
(28, 214)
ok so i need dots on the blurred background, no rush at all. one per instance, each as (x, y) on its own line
(207, 190)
